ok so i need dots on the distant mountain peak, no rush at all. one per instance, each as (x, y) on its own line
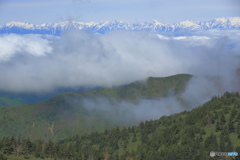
(223, 19)
(189, 24)
(156, 22)
(228, 19)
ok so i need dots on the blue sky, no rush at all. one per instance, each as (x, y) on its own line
(167, 11)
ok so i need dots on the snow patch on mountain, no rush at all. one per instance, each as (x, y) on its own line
(20, 25)
(189, 24)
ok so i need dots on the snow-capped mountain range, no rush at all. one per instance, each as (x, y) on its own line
(185, 27)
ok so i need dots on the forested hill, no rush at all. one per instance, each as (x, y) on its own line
(190, 135)
(85, 111)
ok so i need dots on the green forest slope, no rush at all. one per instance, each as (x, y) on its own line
(190, 135)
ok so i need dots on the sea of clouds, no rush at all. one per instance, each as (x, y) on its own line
(34, 63)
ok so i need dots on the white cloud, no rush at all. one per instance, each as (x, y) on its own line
(13, 44)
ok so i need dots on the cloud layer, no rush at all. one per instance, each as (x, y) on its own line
(30, 63)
